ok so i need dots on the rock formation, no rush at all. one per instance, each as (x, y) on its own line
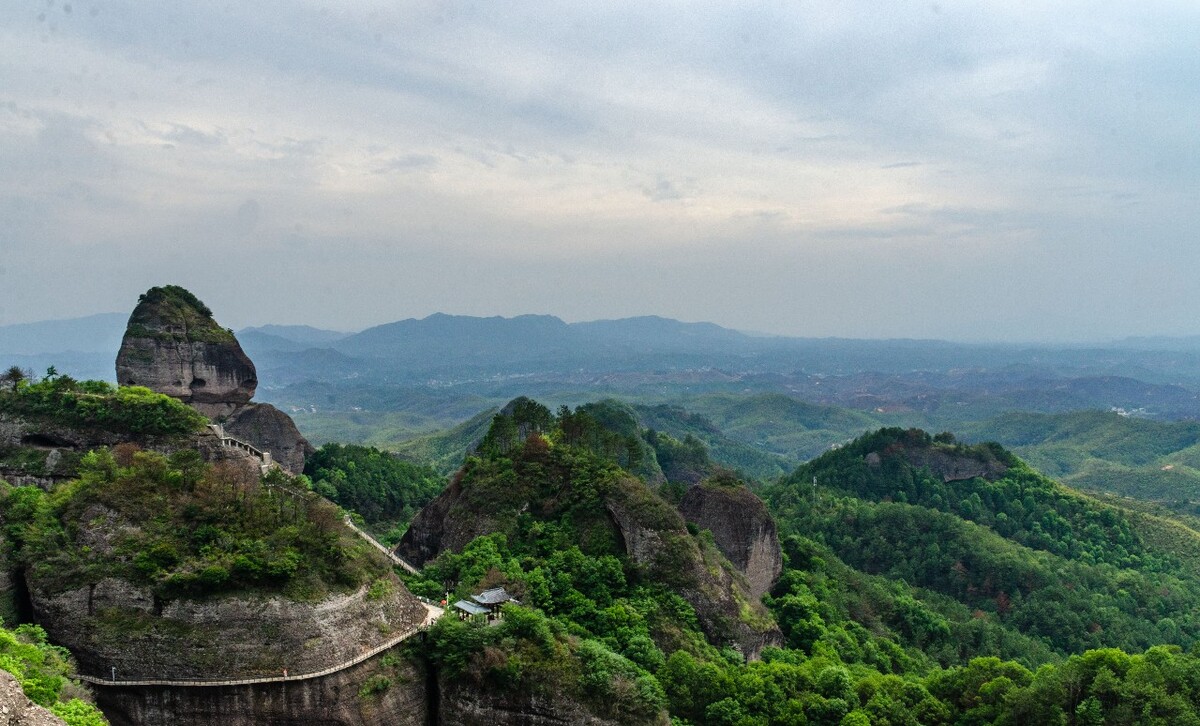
(448, 523)
(228, 637)
(656, 538)
(17, 710)
(270, 429)
(742, 529)
(653, 535)
(173, 345)
(368, 693)
(947, 465)
(466, 704)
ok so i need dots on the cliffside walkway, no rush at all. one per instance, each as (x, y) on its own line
(432, 614)
(395, 558)
(267, 463)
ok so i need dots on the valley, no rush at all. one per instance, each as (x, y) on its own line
(736, 545)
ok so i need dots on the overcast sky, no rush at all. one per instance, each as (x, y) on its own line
(1002, 170)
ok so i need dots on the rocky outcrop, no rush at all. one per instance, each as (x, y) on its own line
(948, 464)
(742, 529)
(466, 704)
(384, 690)
(173, 345)
(17, 710)
(649, 530)
(113, 623)
(448, 523)
(270, 429)
(656, 538)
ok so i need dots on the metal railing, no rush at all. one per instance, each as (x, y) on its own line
(432, 615)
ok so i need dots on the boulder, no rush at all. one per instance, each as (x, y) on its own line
(269, 429)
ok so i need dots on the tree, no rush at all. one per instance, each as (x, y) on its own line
(13, 377)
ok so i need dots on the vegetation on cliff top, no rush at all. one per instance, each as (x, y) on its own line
(906, 598)
(42, 670)
(185, 529)
(173, 313)
(61, 401)
(1020, 549)
(545, 485)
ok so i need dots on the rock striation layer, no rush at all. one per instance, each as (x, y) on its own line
(173, 345)
(113, 623)
(368, 693)
(742, 529)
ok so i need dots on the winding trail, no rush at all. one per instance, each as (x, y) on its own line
(395, 558)
(432, 614)
(267, 463)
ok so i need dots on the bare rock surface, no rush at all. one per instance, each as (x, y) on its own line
(269, 429)
(465, 704)
(742, 529)
(446, 523)
(947, 465)
(655, 537)
(174, 346)
(113, 623)
(17, 710)
(368, 694)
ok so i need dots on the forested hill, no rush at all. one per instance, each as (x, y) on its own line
(977, 525)
(924, 581)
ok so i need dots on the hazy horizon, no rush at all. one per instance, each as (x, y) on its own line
(983, 172)
(1049, 343)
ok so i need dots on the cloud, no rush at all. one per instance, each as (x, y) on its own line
(364, 142)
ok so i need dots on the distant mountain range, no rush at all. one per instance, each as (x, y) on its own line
(451, 362)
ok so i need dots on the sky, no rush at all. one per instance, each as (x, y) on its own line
(1008, 171)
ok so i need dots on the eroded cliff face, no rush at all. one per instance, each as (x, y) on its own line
(742, 529)
(17, 710)
(656, 538)
(652, 534)
(448, 523)
(270, 429)
(385, 690)
(113, 623)
(173, 345)
(465, 704)
(947, 465)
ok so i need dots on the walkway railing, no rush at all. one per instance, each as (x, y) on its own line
(395, 558)
(432, 614)
(267, 462)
